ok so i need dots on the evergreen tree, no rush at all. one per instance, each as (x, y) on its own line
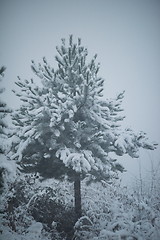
(3, 111)
(65, 126)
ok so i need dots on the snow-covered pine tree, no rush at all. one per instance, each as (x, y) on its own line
(65, 126)
(3, 111)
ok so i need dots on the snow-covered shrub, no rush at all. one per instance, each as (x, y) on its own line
(8, 172)
(147, 189)
(113, 214)
(47, 208)
(13, 205)
(31, 202)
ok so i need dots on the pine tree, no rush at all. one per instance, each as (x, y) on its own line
(3, 111)
(65, 126)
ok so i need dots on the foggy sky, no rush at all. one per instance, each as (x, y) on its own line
(126, 36)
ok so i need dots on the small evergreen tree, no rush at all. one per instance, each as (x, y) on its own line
(66, 127)
(3, 111)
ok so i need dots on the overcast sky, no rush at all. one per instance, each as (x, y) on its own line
(126, 36)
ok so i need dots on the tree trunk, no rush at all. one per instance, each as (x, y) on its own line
(77, 196)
